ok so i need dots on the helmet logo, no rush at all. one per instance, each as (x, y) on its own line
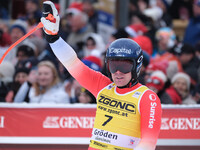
(140, 59)
(138, 51)
(120, 50)
(138, 67)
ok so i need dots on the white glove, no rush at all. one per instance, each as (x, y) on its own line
(50, 19)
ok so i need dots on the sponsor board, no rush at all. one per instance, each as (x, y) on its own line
(47, 122)
(68, 122)
(180, 124)
(177, 122)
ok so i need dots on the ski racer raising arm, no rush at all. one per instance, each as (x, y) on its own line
(128, 114)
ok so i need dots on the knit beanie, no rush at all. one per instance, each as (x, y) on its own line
(136, 29)
(75, 8)
(93, 62)
(23, 69)
(181, 75)
(20, 24)
(27, 50)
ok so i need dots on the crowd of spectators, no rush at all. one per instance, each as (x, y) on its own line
(171, 67)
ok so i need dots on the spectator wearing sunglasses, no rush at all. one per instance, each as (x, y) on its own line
(157, 82)
(128, 114)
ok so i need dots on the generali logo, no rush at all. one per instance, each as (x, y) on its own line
(2, 121)
(180, 124)
(68, 122)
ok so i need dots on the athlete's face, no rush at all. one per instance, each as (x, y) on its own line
(121, 79)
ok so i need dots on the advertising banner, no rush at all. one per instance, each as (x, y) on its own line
(60, 124)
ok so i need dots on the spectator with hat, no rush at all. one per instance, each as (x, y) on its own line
(80, 27)
(74, 9)
(152, 67)
(16, 31)
(181, 88)
(26, 56)
(93, 42)
(75, 6)
(23, 91)
(157, 82)
(166, 39)
(24, 52)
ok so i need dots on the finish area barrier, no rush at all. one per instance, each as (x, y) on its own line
(71, 124)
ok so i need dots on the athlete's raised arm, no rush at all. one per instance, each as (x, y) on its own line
(88, 78)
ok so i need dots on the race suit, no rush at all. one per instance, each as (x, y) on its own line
(126, 118)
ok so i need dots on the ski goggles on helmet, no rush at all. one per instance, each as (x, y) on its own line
(124, 66)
